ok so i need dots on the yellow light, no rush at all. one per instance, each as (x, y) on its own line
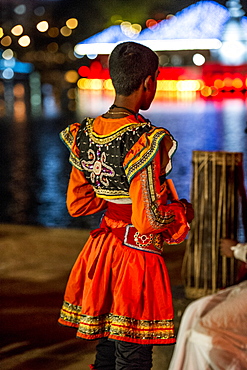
(116, 19)
(53, 32)
(206, 91)
(107, 85)
(219, 83)
(96, 84)
(6, 41)
(188, 85)
(136, 28)
(24, 41)
(17, 30)
(71, 76)
(42, 26)
(1, 32)
(65, 31)
(72, 23)
(83, 84)
(90, 84)
(228, 82)
(237, 83)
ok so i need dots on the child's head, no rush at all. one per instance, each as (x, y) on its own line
(130, 64)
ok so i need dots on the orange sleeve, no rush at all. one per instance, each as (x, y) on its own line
(81, 198)
(150, 211)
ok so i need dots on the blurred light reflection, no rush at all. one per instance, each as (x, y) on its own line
(38, 167)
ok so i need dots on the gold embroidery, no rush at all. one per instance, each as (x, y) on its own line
(143, 240)
(105, 139)
(155, 218)
(108, 194)
(117, 326)
(68, 139)
(97, 167)
(146, 155)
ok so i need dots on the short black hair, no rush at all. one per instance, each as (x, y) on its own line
(129, 64)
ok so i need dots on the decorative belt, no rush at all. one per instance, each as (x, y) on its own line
(130, 237)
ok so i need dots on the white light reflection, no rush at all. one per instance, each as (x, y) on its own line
(8, 73)
(50, 108)
(234, 117)
(155, 45)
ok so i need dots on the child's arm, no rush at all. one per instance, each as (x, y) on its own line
(81, 198)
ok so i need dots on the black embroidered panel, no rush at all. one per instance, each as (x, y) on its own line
(101, 157)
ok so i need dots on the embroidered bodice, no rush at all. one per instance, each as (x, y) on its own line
(102, 157)
(109, 162)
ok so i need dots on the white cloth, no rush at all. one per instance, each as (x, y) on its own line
(213, 332)
(240, 251)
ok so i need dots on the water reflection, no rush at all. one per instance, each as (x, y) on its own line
(34, 163)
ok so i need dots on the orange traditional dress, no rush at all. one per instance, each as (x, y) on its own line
(119, 286)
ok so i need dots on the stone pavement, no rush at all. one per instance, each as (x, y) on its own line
(34, 267)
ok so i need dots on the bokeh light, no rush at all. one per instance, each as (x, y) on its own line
(24, 41)
(72, 23)
(8, 73)
(7, 54)
(116, 19)
(19, 91)
(6, 41)
(151, 23)
(1, 32)
(42, 26)
(92, 56)
(17, 30)
(65, 31)
(198, 59)
(20, 9)
(71, 76)
(130, 30)
(237, 83)
(84, 71)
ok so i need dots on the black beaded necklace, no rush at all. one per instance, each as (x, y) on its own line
(128, 110)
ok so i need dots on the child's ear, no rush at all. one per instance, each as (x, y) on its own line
(147, 83)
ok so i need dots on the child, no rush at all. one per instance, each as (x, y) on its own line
(119, 290)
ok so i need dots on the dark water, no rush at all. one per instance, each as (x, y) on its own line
(34, 162)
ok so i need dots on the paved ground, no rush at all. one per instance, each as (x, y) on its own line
(34, 266)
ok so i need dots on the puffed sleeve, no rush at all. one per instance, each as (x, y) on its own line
(81, 198)
(150, 211)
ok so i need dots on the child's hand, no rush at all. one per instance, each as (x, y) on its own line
(225, 247)
(189, 210)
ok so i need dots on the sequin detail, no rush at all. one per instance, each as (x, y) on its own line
(117, 327)
(99, 170)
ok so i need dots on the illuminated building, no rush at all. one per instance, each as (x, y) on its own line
(234, 37)
(190, 46)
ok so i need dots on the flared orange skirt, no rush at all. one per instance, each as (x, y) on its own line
(119, 292)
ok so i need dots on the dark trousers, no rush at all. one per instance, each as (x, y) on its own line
(117, 355)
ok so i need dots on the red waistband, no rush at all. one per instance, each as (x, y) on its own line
(119, 212)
